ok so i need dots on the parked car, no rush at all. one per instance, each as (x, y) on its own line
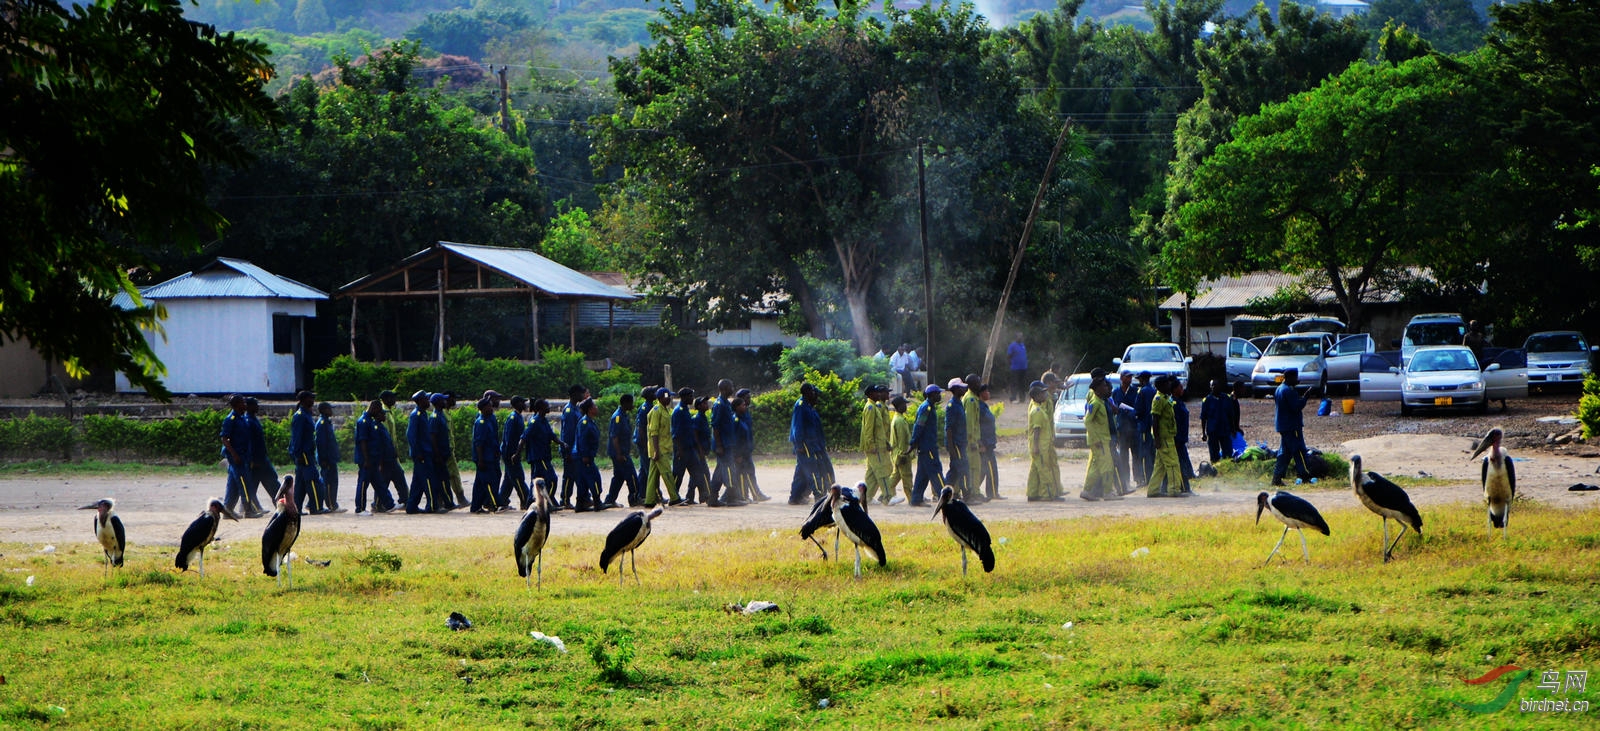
(1305, 352)
(1317, 325)
(1070, 407)
(1343, 364)
(1557, 358)
(1442, 376)
(1242, 357)
(1436, 328)
(1159, 359)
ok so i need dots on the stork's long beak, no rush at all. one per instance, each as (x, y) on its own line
(1482, 445)
(1260, 508)
(91, 506)
(936, 510)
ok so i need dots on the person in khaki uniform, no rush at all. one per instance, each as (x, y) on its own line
(875, 427)
(899, 450)
(975, 470)
(1044, 472)
(660, 443)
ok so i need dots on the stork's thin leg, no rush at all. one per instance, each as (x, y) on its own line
(858, 562)
(635, 556)
(540, 569)
(820, 548)
(963, 562)
(288, 571)
(1390, 550)
(1505, 523)
(1386, 539)
(278, 560)
(1280, 545)
(836, 532)
(201, 564)
(1303, 550)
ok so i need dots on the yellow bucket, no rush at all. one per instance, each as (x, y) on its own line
(1349, 406)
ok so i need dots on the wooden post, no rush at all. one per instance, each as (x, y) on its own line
(441, 314)
(533, 318)
(353, 302)
(572, 325)
(611, 326)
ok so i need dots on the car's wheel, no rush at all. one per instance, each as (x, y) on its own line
(1405, 409)
(1483, 406)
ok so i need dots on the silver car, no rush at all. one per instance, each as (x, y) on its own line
(1304, 352)
(1440, 376)
(1070, 407)
(1557, 358)
(1157, 359)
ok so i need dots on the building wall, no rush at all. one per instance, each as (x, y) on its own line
(22, 370)
(762, 331)
(224, 345)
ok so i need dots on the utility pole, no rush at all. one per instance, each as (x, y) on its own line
(505, 102)
(927, 266)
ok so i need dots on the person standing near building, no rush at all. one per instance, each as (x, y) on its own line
(1217, 421)
(515, 479)
(1124, 427)
(235, 438)
(445, 469)
(750, 487)
(1017, 357)
(1180, 418)
(660, 452)
(988, 439)
(969, 408)
(328, 458)
(452, 466)
(955, 440)
(390, 471)
(683, 442)
(1100, 482)
(1166, 474)
(1044, 470)
(721, 434)
(372, 449)
(485, 459)
(585, 448)
(303, 452)
(262, 473)
(570, 416)
(699, 462)
(925, 438)
(424, 475)
(1288, 419)
(900, 451)
(813, 470)
(875, 444)
(619, 447)
(641, 428)
(538, 439)
(1144, 454)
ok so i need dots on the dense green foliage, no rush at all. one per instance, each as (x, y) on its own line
(839, 404)
(464, 373)
(1589, 407)
(830, 356)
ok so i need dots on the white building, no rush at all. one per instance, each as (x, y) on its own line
(1343, 8)
(231, 327)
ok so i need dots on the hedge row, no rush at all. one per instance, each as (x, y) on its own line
(1589, 407)
(463, 372)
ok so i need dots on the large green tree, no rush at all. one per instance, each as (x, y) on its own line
(110, 114)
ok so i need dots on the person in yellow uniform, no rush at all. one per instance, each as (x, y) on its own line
(899, 450)
(1044, 473)
(1166, 478)
(1101, 481)
(975, 472)
(660, 451)
(875, 443)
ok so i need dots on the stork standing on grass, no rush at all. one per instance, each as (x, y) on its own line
(108, 530)
(1499, 479)
(966, 529)
(200, 533)
(532, 532)
(1387, 500)
(1294, 512)
(821, 517)
(625, 538)
(852, 521)
(280, 535)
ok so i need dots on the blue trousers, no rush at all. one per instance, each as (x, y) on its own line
(1183, 461)
(813, 475)
(391, 474)
(441, 477)
(515, 479)
(956, 476)
(1292, 450)
(623, 472)
(929, 471)
(262, 474)
(569, 477)
(238, 482)
(308, 485)
(587, 476)
(329, 471)
(485, 484)
(1145, 457)
(373, 474)
(542, 468)
(425, 484)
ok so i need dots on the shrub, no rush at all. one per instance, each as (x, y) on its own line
(1589, 407)
(464, 373)
(348, 378)
(36, 435)
(839, 406)
(830, 356)
(611, 653)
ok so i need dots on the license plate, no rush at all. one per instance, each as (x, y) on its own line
(1443, 401)
(1278, 379)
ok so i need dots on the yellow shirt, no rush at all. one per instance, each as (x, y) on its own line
(874, 428)
(658, 428)
(1041, 433)
(899, 434)
(970, 403)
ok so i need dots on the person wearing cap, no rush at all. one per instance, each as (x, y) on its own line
(390, 471)
(485, 459)
(1219, 419)
(875, 438)
(899, 450)
(328, 458)
(745, 452)
(1288, 408)
(660, 452)
(682, 422)
(955, 440)
(1044, 471)
(494, 399)
(969, 407)
(424, 478)
(699, 463)
(1100, 481)
(303, 452)
(235, 436)
(925, 438)
(453, 465)
(1180, 418)
(585, 447)
(446, 472)
(1145, 455)
(537, 441)
(262, 473)
(641, 427)
(1166, 475)
(988, 468)
(515, 480)
(722, 427)
(1124, 427)
(619, 447)
(1017, 358)
(813, 471)
(373, 448)
(570, 416)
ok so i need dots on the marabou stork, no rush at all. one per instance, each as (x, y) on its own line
(1293, 512)
(108, 530)
(822, 517)
(966, 529)
(528, 546)
(280, 535)
(199, 534)
(1499, 479)
(625, 538)
(852, 521)
(1387, 500)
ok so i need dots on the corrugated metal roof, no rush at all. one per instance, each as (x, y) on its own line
(226, 277)
(1235, 293)
(521, 265)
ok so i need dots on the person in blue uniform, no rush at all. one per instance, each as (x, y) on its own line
(585, 448)
(1180, 416)
(328, 458)
(262, 473)
(444, 452)
(486, 459)
(515, 479)
(570, 416)
(721, 433)
(988, 439)
(641, 427)
(741, 445)
(1145, 454)
(390, 471)
(1288, 419)
(683, 442)
(373, 448)
(925, 439)
(538, 439)
(424, 477)
(955, 440)
(619, 447)
(813, 470)
(1219, 421)
(699, 464)
(303, 452)
(235, 438)
(1124, 427)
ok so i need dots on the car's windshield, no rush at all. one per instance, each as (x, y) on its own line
(1295, 346)
(1557, 343)
(1075, 391)
(1426, 361)
(1152, 354)
(1434, 333)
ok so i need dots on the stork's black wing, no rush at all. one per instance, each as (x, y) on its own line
(1483, 475)
(1389, 495)
(865, 530)
(1511, 475)
(282, 531)
(122, 540)
(969, 530)
(620, 537)
(1298, 508)
(821, 517)
(529, 530)
(195, 536)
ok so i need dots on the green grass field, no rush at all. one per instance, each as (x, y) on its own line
(1196, 632)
